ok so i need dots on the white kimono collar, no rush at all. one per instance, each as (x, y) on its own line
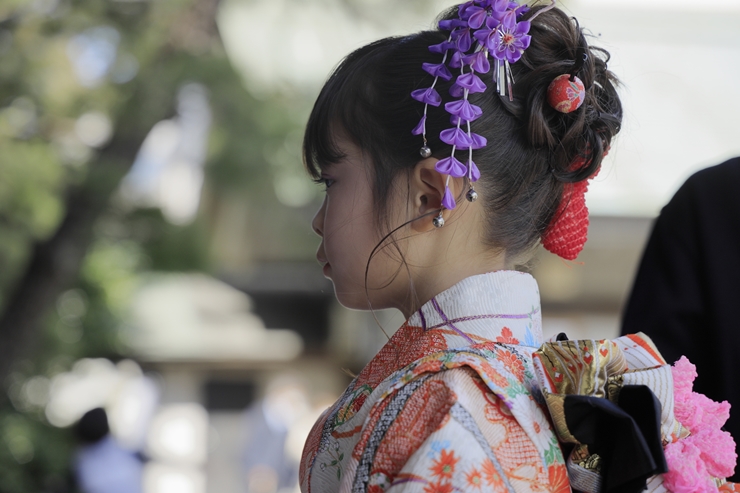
(484, 307)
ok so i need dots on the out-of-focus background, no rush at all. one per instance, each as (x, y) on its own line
(156, 256)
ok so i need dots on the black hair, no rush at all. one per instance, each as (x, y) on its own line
(531, 147)
(92, 426)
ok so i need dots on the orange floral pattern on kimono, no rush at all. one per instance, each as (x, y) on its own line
(447, 405)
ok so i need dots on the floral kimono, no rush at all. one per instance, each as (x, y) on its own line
(466, 397)
(449, 404)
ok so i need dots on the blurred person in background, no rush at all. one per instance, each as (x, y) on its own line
(687, 289)
(101, 464)
(268, 464)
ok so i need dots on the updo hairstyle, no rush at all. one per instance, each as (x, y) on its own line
(532, 152)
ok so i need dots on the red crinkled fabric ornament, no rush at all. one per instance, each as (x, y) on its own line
(568, 232)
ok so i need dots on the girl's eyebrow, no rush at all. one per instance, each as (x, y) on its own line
(327, 167)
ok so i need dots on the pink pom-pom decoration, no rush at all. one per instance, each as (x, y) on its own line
(686, 471)
(684, 374)
(695, 411)
(708, 451)
(717, 451)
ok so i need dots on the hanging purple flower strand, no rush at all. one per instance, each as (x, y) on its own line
(483, 29)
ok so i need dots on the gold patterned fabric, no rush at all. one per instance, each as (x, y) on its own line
(600, 369)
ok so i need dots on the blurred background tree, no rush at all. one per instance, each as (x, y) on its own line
(82, 84)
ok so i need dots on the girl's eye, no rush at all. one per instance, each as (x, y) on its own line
(326, 182)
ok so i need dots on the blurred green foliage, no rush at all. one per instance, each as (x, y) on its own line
(158, 46)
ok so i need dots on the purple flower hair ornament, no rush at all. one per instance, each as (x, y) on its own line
(511, 41)
(437, 70)
(451, 166)
(463, 109)
(427, 96)
(488, 34)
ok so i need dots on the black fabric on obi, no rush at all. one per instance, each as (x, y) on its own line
(625, 435)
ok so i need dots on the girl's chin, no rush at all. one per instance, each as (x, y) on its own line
(354, 299)
(327, 270)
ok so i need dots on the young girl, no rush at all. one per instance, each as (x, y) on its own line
(447, 157)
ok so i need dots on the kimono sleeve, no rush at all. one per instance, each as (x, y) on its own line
(452, 459)
(454, 434)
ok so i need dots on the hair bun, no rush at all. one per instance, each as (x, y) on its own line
(572, 108)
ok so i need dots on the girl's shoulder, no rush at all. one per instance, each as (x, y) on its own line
(506, 370)
(452, 419)
(493, 383)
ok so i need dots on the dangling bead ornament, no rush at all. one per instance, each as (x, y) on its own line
(484, 30)
(472, 195)
(438, 221)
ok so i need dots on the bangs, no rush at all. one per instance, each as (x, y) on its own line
(320, 148)
(367, 101)
(344, 108)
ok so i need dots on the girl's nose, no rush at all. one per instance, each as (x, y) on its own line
(318, 220)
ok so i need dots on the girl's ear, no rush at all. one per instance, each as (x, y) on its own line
(426, 189)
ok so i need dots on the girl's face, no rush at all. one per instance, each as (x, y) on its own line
(430, 259)
(346, 224)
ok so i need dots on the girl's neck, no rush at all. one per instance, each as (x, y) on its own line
(425, 283)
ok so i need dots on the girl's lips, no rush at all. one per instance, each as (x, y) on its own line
(326, 269)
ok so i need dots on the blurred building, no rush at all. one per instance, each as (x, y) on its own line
(242, 387)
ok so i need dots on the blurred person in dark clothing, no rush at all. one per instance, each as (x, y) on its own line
(687, 290)
(102, 465)
(266, 460)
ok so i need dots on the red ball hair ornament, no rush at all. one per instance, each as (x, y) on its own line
(566, 93)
